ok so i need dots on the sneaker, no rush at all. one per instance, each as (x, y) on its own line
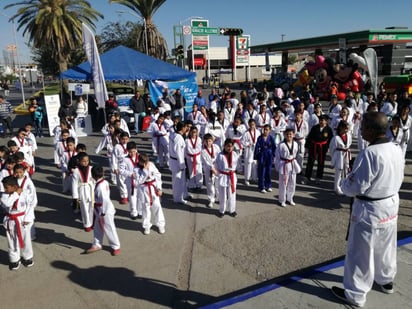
(93, 249)
(133, 217)
(304, 181)
(210, 205)
(387, 288)
(162, 230)
(14, 266)
(233, 214)
(340, 293)
(247, 183)
(263, 191)
(146, 231)
(291, 202)
(88, 229)
(115, 252)
(283, 204)
(183, 202)
(27, 263)
(269, 190)
(220, 214)
(139, 216)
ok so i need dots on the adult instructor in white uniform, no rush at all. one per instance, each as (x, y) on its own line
(375, 181)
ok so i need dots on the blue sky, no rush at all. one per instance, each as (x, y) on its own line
(264, 20)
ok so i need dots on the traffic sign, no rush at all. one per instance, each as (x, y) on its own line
(205, 31)
(187, 30)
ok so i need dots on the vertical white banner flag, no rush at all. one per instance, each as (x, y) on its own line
(90, 48)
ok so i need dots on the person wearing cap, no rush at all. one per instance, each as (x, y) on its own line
(314, 117)
(111, 105)
(317, 145)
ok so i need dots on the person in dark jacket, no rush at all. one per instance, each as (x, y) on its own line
(317, 144)
(138, 107)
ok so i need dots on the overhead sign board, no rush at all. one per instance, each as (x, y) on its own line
(205, 31)
(200, 40)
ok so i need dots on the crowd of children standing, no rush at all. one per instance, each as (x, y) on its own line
(219, 140)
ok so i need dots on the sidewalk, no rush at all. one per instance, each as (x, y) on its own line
(312, 289)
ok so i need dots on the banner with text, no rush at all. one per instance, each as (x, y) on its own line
(188, 88)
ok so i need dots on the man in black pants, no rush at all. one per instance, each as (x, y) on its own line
(5, 115)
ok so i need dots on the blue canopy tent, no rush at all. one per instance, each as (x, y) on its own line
(122, 63)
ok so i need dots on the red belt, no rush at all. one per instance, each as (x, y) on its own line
(150, 184)
(284, 167)
(98, 204)
(231, 174)
(320, 144)
(14, 217)
(194, 161)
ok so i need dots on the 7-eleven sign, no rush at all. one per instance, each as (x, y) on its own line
(242, 42)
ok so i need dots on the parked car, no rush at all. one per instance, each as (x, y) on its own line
(122, 95)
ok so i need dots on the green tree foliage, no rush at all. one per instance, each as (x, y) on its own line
(56, 24)
(126, 34)
(157, 46)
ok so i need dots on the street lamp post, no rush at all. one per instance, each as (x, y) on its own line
(144, 27)
(17, 56)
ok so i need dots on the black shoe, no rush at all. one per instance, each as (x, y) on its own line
(387, 288)
(139, 216)
(233, 214)
(340, 293)
(14, 266)
(220, 215)
(133, 217)
(27, 263)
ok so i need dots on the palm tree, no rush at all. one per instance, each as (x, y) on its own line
(157, 46)
(56, 23)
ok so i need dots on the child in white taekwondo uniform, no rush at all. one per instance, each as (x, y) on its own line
(177, 164)
(149, 180)
(69, 153)
(278, 125)
(301, 128)
(209, 155)
(234, 132)
(118, 155)
(83, 190)
(160, 140)
(26, 184)
(226, 163)
(248, 141)
(18, 219)
(287, 167)
(104, 212)
(108, 141)
(192, 156)
(126, 170)
(60, 147)
(339, 149)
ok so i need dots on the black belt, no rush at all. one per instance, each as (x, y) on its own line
(371, 199)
